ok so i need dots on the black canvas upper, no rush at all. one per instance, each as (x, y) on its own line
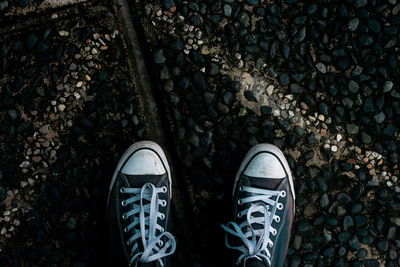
(119, 250)
(281, 240)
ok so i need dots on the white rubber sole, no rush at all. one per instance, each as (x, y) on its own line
(267, 148)
(132, 149)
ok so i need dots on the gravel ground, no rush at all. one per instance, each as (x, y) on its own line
(68, 111)
(319, 80)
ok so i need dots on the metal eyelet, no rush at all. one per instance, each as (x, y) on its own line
(274, 233)
(124, 216)
(160, 243)
(126, 229)
(283, 193)
(162, 229)
(164, 189)
(122, 190)
(270, 245)
(239, 216)
(163, 203)
(162, 216)
(123, 203)
(241, 188)
(280, 206)
(239, 202)
(128, 243)
(278, 219)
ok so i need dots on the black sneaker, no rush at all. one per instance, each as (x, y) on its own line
(264, 208)
(138, 208)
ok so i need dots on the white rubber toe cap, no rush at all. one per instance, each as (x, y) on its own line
(144, 162)
(265, 165)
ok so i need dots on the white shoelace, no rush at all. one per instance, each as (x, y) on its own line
(255, 241)
(146, 215)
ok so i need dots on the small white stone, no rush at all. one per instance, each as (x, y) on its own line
(79, 84)
(290, 97)
(77, 95)
(326, 146)
(7, 213)
(63, 33)
(3, 231)
(24, 164)
(185, 27)
(270, 89)
(321, 117)
(338, 137)
(334, 148)
(61, 107)
(199, 34)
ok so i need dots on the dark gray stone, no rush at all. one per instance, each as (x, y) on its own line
(387, 87)
(199, 81)
(353, 86)
(227, 10)
(2, 193)
(353, 24)
(352, 128)
(321, 67)
(284, 79)
(365, 138)
(324, 201)
(380, 117)
(13, 114)
(159, 57)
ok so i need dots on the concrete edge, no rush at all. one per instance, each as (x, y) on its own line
(159, 132)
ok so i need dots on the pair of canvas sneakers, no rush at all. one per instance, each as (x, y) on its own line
(139, 206)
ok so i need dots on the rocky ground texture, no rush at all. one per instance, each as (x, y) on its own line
(317, 79)
(67, 114)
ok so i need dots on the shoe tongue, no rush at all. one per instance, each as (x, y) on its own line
(264, 183)
(137, 181)
(255, 263)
